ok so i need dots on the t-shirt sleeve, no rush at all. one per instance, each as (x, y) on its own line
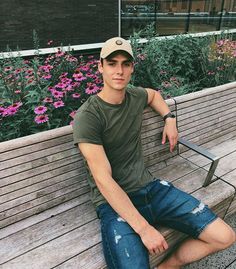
(141, 95)
(87, 128)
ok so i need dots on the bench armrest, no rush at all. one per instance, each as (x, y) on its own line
(206, 154)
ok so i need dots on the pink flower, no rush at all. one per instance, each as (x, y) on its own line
(57, 94)
(60, 53)
(17, 105)
(41, 119)
(61, 85)
(162, 72)
(47, 100)
(29, 71)
(69, 88)
(40, 110)
(210, 73)
(17, 71)
(8, 68)
(79, 77)
(63, 75)
(92, 89)
(2, 109)
(46, 77)
(76, 95)
(12, 110)
(72, 123)
(50, 42)
(141, 56)
(46, 68)
(72, 114)
(166, 84)
(58, 104)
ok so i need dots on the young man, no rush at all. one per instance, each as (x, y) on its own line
(128, 199)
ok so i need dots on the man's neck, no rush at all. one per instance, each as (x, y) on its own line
(114, 97)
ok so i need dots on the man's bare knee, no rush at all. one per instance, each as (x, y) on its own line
(219, 235)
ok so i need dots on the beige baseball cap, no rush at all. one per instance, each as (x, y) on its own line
(115, 44)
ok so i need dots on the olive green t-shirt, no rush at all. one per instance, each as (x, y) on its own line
(118, 129)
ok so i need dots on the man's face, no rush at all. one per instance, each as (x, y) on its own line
(116, 72)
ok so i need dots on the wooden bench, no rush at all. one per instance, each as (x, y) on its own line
(46, 217)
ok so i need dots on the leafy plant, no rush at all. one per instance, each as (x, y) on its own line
(43, 93)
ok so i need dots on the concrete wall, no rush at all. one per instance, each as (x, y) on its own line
(64, 21)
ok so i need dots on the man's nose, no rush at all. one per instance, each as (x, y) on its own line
(119, 69)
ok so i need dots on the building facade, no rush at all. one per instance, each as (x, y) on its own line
(75, 22)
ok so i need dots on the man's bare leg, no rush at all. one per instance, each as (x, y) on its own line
(216, 236)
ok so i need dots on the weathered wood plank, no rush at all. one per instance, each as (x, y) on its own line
(13, 153)
(35, 138)
(45, 231)
(33, 163)
(11, 186)
(51, 182)
(203, 105)
(41, 198)
(208, 117)
(39, 170)
(40, 217)
(205, 94)
(206, 135)
(60, 249)
(219, 147)
(47, 191)
(84, 260)
(48, 204)
(226, 165)
(50, 153)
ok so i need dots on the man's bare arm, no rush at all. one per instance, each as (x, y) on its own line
(118, 199)
(156, 101)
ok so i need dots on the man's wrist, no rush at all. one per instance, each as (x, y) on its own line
(142, 227)
(168, 115)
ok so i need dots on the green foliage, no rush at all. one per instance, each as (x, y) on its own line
(183, 64)
(44, 92)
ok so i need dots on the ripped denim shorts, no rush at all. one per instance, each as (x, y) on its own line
(159, 202)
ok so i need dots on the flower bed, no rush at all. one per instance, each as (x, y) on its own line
(44, 92)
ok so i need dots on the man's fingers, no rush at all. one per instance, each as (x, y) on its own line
(165, 245)
(163, 138)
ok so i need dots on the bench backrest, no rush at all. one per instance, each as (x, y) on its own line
(43, 170)
(209, 115)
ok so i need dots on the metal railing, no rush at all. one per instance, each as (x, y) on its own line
(96, 46)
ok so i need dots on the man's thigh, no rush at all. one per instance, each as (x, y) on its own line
(122, 247)
(179, 210)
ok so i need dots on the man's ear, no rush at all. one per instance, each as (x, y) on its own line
(100, 67)
(132, 68)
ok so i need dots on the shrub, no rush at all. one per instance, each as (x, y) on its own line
(183, 64)
(43, 93)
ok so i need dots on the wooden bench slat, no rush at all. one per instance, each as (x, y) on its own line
(46, 231)
(13, 153)
(204, 95)
(38, 200)
(203, 105)
(39, 170)
(226, 165)
(193, 120)
(45, 206)
(34, 179)
(48, 153)
(50, 189)
(30, 189)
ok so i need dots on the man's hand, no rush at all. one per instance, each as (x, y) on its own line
(153, 240)
(170, 132)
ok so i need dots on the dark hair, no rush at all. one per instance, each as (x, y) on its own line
(113, 54)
